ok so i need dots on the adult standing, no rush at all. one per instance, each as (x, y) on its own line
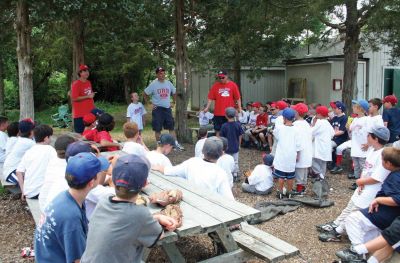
(160, 91)
(82, 98)
(225, 93)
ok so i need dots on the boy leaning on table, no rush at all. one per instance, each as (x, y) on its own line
(119, 229)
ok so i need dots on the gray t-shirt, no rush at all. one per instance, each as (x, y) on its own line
(118, 232)
(160, 92)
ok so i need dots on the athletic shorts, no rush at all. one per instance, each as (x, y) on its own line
(283, 175)
(162, 118)
(218, 121)
(392, 234)
(79, 126)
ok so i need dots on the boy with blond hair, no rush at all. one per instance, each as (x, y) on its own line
(136, 112)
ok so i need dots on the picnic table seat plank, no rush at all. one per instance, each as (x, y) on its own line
(274, 242)
(237, 256)
(34, 208)
(258, 248)
(198, 201)
(231, 205)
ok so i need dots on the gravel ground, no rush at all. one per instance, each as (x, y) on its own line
(297, 228)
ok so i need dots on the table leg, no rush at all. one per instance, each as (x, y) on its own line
(146, 253)
(173, 253)
(226, 239)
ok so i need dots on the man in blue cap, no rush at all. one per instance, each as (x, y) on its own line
(62, 231)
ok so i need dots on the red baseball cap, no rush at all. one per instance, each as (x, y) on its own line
(222, 73)
(301, 108)
(273, 105)
(89, 118)
(333, 104)
(256, 104)
(390, 98)
(281, 105)
(83, 67)
(322, 110)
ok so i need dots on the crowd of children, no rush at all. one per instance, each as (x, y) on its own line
(71, 178)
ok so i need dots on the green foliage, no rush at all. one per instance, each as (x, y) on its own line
(11, 95)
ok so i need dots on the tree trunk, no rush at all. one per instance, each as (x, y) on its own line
(78, 49)
(2, 98)
(182, 86)
(351, 49)
(24, 56)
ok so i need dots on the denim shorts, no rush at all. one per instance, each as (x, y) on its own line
(283, 175)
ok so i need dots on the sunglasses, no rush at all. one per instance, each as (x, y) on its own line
(273, 109)
(221, 77)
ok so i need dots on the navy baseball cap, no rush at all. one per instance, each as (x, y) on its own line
(26, 125)
(268, 159)
(338, 104)
(85, 166)
(363, 103)
(222, 73)
(131, 172)
(158, 69)
(230, 112)
(289, 114)
(97, 112)
(77, 147)
(167, 139)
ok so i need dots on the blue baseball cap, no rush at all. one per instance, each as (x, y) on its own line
(85, 166)
(131, 172)
(289, 114)
(363, 103)
(77, 147)
(97, 112)
(268, 159)
(338, 104)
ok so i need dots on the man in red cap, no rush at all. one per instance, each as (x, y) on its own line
(391, 117)
(82, 98)
(225, 93)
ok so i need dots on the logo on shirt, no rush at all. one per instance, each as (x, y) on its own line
(88, 91)
(224, 92)
(137, 111)
(163, 93)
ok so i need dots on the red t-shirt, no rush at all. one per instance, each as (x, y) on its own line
(83, 107)
(90, 134)
(262, 119)
(105, 135)
(224, 95)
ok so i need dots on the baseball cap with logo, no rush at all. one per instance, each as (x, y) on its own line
(322, 110)
(131, 172)
(159, 69)
(301, 108)
(222, 73)
(391, 99)
(85, 166)
(288, 114)
(83, 67)
(281, 105)
(363, 103)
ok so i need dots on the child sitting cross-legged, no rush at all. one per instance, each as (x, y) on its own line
(261, 180)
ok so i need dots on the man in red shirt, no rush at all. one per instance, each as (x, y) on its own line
(225, 93)
(82, 98)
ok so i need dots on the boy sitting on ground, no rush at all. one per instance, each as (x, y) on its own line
(164, 147)
(32, 168)
(226, 161)
(203, 131)
(134, 143)
(127, 237)
(260, 181)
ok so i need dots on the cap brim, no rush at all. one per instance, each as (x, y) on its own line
(104, 164)
(333, 105)
(355, 102)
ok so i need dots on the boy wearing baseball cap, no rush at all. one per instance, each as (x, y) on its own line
(62, 231)
(90, 122)
(322, 133)
(260, 181)
(164, 147)
(338, 123)
(129, 227)
(287, 152)
(305, 156)
(391, 117)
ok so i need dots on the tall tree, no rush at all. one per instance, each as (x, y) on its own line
(25, 72)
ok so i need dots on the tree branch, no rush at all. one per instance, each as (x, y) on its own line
(367, 11)
(288, 7)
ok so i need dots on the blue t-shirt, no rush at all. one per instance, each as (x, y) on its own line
(160, 93)
(386, 214)
(62, 231)
(392, 117)
(231, 130)
(340, 122)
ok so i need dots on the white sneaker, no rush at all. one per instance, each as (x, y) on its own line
(178, 146)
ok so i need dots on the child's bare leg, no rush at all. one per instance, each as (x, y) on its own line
(280, 184)
(289, 183)
(269, 137)
(262, 138)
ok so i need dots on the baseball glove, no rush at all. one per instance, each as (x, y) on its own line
(175, 212)
(247, 173)
(166, 197)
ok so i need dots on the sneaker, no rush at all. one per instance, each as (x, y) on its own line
(336, 170)
(331, 236)
(179, 147)
(351, 176)
(327, 227)
(279, 195)
(353, 186)
(350, 255)
(289, 194)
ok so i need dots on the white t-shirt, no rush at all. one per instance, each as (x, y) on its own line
(322, 133)
(34, 164)
(359, 133)
(134, 148)
(135, 112)
(261, 177)
(157, 158)
(198, 149)
(243, 117)
(94, 196)
(12, 160)
(3, 143)
(55, 173)
(252, 118)
(373, 168)
(288, 144)
(205, 117)
(374, 121)
(227, 163)
(306, 154)
(203, 174)
(10, 144)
